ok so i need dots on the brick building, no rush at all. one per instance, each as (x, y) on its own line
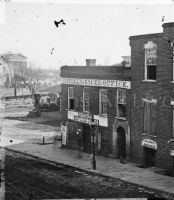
(104, 93)
(152, 92)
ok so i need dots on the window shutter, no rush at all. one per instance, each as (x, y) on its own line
(147, 117)
(153, 119)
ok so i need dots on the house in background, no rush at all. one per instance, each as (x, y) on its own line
(3, 72)
(13, 64)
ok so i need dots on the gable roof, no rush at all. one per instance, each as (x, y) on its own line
(10, 56)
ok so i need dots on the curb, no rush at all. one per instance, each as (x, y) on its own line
(55, 163)
(91, 172)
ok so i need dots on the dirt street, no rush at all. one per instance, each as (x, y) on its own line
(28, 178)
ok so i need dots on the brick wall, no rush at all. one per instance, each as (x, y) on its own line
(161, 90)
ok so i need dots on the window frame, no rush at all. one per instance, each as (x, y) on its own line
(69, 88)
(119, 103)
(149, 119)
(150, 46)
(101, 103)
(86, 100)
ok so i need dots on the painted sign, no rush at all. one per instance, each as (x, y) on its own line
(149, 143)
(172, 152)
(64, 134)
(96, 82)
(86, 118)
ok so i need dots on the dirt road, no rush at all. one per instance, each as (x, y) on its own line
(28, 178)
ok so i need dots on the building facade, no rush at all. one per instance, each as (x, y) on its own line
(152, 92)
(102, 93)
(12, 64)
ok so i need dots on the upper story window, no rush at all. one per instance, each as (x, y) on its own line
(70, 98)
(121, 103)
(103, 101)
(150, 61)
(85, 99)
(149, 108)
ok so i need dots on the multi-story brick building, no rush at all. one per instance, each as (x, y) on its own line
(104, 93)
(152, 91)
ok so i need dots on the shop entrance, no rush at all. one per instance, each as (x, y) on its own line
(121, 142)
(149, 156)
(86, 139)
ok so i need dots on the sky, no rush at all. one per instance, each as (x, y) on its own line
(99, 31)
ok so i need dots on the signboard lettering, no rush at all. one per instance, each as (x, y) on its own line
(149, 143)
(96, 82)
(85, 119)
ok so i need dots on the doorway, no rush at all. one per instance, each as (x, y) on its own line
(121, 142)
(149, 156)
(86, 139)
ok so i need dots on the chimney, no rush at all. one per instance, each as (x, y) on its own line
(90, 62)
(126, 61)
(168, 31)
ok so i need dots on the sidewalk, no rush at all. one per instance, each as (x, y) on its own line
(105, 166)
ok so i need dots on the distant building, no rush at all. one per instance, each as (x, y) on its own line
(101, 91)
(12, 64)
(3, 72)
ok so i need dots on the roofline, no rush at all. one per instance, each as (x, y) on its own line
(90, 67)
(145, 36)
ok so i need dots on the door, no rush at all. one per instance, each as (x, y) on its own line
(121, 142)
(87, 139)
(149, 157)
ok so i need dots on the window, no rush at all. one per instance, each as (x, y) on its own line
(121, 103)
(70, 98)
(149, 117)
(103, 101)
(150, 61)
(85, 99)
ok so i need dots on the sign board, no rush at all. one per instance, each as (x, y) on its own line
(86, 118)
(172, 152)
(97, 82)
(64, 134)
(149, 143)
